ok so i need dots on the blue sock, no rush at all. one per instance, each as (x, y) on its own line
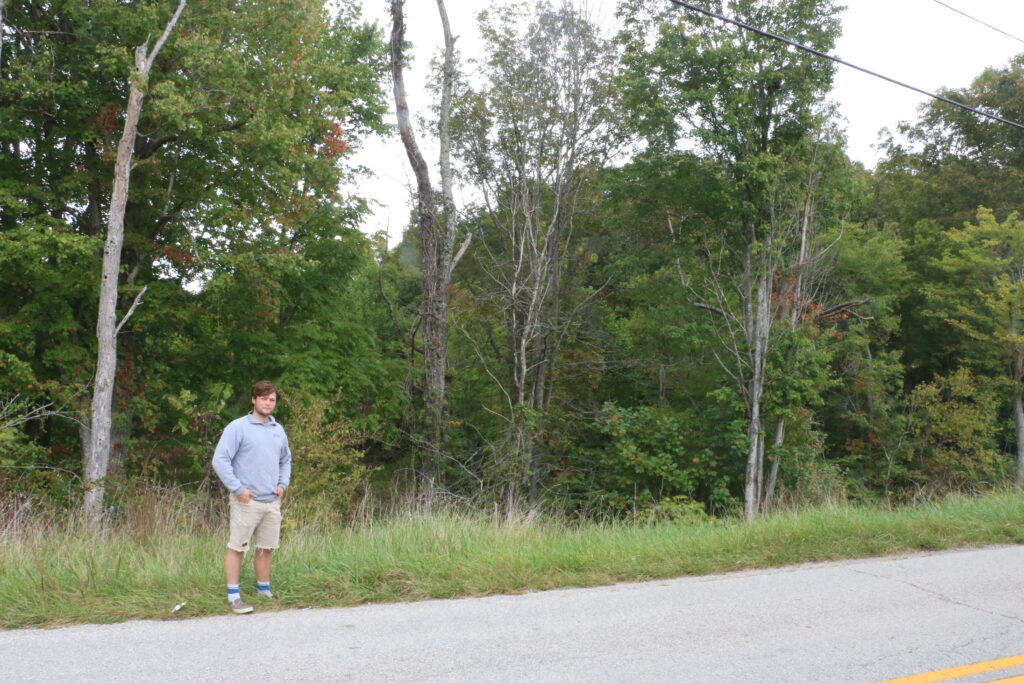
(264, 588)
(233, 592)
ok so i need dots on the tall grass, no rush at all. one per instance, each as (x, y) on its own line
(165, 548)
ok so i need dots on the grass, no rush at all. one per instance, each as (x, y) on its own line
(165, 551)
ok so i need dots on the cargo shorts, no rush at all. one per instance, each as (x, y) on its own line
(254, 521)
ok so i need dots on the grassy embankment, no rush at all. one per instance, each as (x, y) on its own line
(156, 557)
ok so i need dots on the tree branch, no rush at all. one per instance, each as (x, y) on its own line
(131, 309)
(461, 252)
(713, 309)
(163, 37)
(846, 307)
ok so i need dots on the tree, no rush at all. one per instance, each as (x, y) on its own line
(437, 239)
(953, 161)
(981, 295)
(949, 163)
(219, 167)
(530, 136)
(754, 105)
(97, 453)
(866, 412)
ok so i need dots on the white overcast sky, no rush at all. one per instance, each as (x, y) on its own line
(920, 42)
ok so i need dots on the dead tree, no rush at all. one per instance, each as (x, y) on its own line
(98, 442)
(437, 241)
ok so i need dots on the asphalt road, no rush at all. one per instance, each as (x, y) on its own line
(859, 621)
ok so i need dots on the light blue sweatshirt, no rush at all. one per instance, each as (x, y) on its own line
(253, 455)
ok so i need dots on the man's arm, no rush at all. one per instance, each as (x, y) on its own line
(223, 455)
(284, 475)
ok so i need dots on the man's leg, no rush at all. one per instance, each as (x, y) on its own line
(267, 537)
(233, 566)
(232, 570)
(241, 529)
(261, 563)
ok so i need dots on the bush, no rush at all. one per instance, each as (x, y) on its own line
(954, 423)
(674, 509)
(327, 464)
(652, 462)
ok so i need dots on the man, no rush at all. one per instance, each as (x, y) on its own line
(253, 461)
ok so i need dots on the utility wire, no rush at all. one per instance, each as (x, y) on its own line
(994, 28)
(766, 34)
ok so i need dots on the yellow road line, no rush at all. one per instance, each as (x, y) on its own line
(967, 670)
(1011, 679)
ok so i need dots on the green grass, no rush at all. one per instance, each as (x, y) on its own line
(55, 573)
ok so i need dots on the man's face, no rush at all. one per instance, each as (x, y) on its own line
(264, 405)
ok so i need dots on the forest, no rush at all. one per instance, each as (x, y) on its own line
(671, 294)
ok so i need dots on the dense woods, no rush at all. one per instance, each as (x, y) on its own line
(671, 292)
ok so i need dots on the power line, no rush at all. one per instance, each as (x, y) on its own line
(766, 34)
(994, 28)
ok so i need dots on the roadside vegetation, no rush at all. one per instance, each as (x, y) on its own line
(163, 552)
(671, 315)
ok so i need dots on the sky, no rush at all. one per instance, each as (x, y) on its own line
(923, 43)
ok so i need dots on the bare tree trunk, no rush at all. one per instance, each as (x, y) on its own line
(796, 301)
(773, 475)
(3, 5)
(760, 327)
(97, 453)
(437, 243)
(540, 396)
(1018, 412)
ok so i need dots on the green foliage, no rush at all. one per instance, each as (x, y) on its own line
(954, 425)
(327, 462)
(953, 162)
(679, 508)
(807, 478)
(251, 112)
(743, 95)
(868, 414)
(198, 423)
(646, 458)
(46, 270)
(238, 226)
(22, 458)
(798, 371)
(980, 288)
(17, 450)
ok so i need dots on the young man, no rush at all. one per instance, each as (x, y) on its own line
(254, 463)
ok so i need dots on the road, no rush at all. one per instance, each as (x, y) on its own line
(861, 621)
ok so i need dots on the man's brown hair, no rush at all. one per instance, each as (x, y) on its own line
(265, 388)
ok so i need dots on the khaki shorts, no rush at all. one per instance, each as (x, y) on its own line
(259, 522)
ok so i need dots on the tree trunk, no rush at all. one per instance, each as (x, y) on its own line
(796, 301)
(1018, 412)
(106, 323)
(539, 400)
(546, 348)
(97, 452)
(3, 5)
(773, 476)
(437, 245)
(760, 329)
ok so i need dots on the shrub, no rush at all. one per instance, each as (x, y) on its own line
(327, 463)
(954, 426)
(651, 461)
